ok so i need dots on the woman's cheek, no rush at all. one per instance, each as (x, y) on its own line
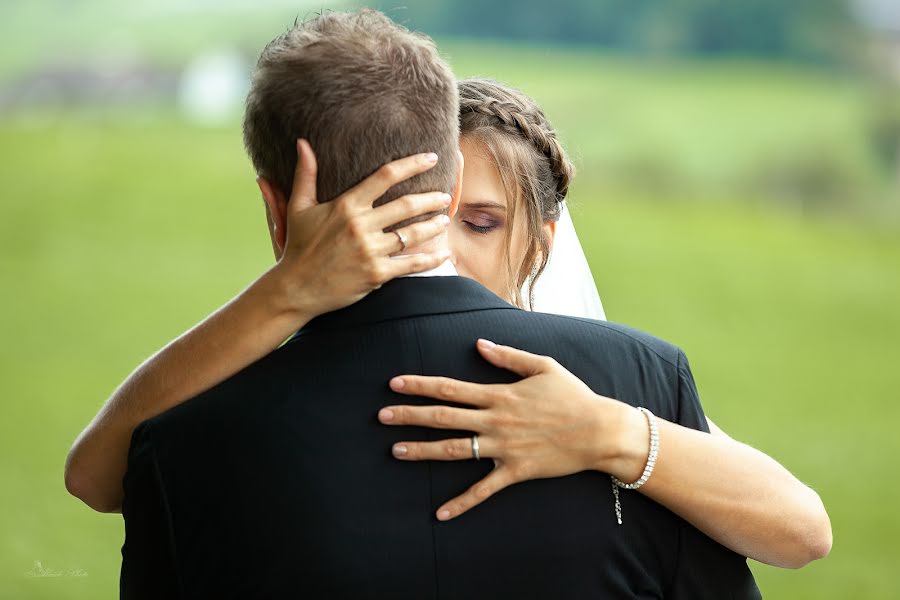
(486, 265)
(466, 250)
(458, 250)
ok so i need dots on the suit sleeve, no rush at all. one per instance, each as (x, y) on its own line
(689, 411)
(708, 570)
(148, 554)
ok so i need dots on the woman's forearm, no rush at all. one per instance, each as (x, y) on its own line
(330, 255)
(242, 331)
(732, 492)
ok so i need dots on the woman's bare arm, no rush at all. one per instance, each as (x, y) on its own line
(737, 495)
(239, 333)
(550, 424)
(331, 255)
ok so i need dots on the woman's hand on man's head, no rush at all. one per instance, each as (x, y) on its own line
(334, 253)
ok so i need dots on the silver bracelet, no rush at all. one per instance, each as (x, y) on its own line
(648, 468)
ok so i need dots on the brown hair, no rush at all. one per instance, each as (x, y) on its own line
(533, 167)
(364, 91)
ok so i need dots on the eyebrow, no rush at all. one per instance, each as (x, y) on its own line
(496, 205)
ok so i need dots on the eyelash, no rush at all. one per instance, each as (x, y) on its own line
(480, 229)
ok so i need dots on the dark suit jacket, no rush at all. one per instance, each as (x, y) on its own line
(279, 482)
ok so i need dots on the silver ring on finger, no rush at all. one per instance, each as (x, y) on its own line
(475, 452)
(403, 239)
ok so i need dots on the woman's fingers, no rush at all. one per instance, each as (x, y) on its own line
(303, 194)
(445, 388)
(518, 361)
(384, 266)
(397, 266)
(363, 194)
(451, 449)
(408, 207)
(495, 481)
(413, 235)
(438, 417)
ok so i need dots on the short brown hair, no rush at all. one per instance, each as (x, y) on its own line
(364, 91)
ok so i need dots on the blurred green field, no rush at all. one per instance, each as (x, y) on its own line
(714, 125)
(116, 235)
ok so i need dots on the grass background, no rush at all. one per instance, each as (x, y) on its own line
(117, 233)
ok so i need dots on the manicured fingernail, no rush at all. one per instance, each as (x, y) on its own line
(444, 220)
(447, 198)
(431, 157)
(486, 344)
(385, 414)
(444, 515)
(397, 383)
(399, 450)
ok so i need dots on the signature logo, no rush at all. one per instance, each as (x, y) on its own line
(39, 570)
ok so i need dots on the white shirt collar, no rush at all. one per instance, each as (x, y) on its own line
(445, 269)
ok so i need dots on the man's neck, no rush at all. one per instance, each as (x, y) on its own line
(445, 269)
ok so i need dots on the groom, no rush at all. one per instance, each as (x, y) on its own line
(279, 482)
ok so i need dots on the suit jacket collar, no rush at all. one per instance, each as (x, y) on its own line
(411, 297)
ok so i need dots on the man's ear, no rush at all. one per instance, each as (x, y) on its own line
(276, 214)
(457, 191)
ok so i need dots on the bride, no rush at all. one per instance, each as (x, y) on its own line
(511, 214)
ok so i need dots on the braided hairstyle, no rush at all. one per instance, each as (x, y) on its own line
(532, 164)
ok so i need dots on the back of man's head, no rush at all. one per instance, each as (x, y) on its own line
(364, 91)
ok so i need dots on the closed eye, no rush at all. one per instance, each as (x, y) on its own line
(480, 228)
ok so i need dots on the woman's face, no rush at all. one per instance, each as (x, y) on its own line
(478, 231)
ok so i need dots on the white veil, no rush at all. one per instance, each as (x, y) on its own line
(567, 286)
